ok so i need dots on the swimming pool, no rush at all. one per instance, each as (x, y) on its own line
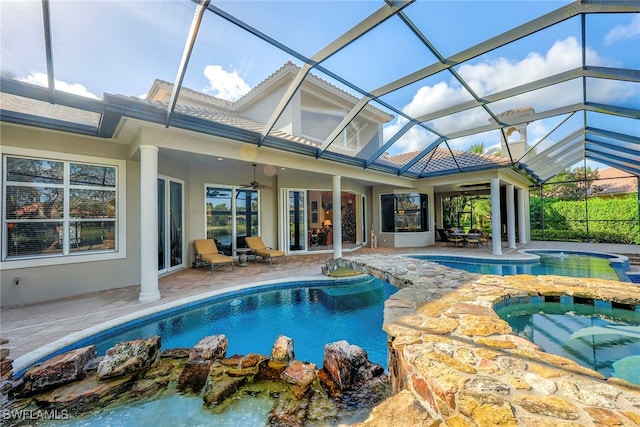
(596, 334)
(560, 263)
(312, 313)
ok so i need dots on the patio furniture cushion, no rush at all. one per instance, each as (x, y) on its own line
(207, 251)
(259, 249)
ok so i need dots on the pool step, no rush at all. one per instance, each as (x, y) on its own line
(634, 259)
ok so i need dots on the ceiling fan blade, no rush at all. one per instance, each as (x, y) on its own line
(255, 185)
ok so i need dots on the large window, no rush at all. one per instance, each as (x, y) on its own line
(405, 212)
(58, 208)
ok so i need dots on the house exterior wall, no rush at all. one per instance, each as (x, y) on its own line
(267, 103)
(44, 279)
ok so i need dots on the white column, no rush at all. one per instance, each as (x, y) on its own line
(496, 239)
(337, 217)
(511, 217)
(148, 224)
(522, 223)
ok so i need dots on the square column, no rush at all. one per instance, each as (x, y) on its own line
(511, 217)
(496, 240)
(522, 231)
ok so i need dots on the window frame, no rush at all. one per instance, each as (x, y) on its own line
(120, 250)
(402, 214)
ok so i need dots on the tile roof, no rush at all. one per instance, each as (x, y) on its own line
(615, 181)
(442, 159)
(38, 108)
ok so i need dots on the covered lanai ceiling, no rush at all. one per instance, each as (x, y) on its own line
(557, 80)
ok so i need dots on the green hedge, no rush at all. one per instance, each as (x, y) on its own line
(610, 220)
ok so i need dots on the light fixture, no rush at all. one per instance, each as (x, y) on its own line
(327, 223)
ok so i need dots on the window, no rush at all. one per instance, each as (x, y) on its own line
(319, 125)
(404, 212)
(58, 208)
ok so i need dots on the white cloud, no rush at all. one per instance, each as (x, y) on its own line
(497, 75)
(41, 79)
(623, 32)
(224, 84)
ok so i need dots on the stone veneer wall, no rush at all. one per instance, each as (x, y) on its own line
(459, 360)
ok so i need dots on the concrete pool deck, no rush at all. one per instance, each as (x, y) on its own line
(30, 327)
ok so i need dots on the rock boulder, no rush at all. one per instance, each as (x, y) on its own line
(62, 369)
(129, 357)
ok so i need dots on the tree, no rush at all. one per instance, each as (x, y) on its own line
(479, 148)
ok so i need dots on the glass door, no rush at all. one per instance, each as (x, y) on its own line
(231, 215)
(297, 224)
(170, 224)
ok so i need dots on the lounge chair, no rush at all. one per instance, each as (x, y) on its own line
(259, 249)
(207, 252)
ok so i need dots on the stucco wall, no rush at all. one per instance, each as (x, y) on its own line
(42, 279)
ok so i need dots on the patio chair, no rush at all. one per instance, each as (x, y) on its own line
(484, 239)
(454, 240)
(207, 252)
(474, 237)
(259, 249)
(443, 234)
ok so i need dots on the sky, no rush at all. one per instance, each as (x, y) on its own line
(121, 46)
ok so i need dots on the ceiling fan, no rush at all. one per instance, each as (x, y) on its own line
(255, 185)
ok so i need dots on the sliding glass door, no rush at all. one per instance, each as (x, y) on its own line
(170, 224)
(297, 221)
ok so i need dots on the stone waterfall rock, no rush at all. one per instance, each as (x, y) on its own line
(220, 386)
(344, 361)
(351, 377)
(128, 357)
(281, 354)
(6, 364)
(209, 349)
(194, 375)
(300, 375)
(282, 350)
(62, 369)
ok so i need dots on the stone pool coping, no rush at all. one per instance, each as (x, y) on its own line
(462, 364)
(528, 255)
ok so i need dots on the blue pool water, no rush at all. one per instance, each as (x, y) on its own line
(598, 335)
(312, 315)
(550, 263)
